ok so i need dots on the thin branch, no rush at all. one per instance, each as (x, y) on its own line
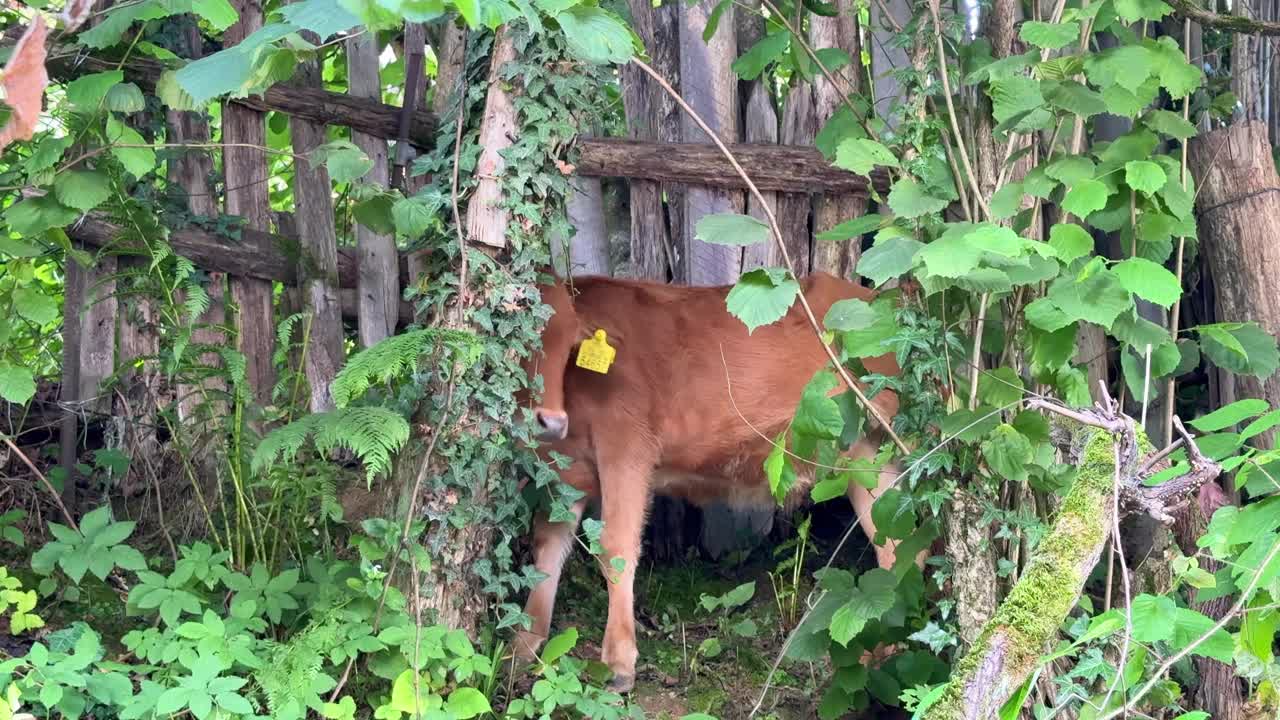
(57, 499)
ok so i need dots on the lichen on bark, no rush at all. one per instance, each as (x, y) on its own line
(1010, 645)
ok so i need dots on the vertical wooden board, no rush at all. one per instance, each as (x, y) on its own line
(762, 127)
(887, 57)
(313, 213)
(711, 89)
(245, 171)
(75, 280)
(415, 41)
(97, 334)
(378, 278)
(799, 127)
(588, 249)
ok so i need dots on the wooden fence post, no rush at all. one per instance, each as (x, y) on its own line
(245, 171)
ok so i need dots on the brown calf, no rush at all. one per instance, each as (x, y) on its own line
(680, 412)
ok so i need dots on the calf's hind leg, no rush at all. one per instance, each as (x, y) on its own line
(624, 493)
(551, 545)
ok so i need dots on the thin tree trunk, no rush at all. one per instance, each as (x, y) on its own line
(313, 213)
(245, 170)
(379, 276)
(1238, 200)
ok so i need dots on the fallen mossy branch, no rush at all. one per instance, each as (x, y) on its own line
(1106, 447)
(1189, 10)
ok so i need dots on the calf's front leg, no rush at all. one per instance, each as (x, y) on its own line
(551, 545)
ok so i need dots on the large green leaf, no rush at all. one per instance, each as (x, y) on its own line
(1085, 197)
(909, 200)
(889, 258)
(1148, 281)
(1242, 348)
(856, 227)
(1095, 295)
(1131, 11)
(1013, 96)
(35, 215)
(951, 256)
(873, 597)
(17, 384)
(87, 92)
(1225, 417)
(1070, 242)
(34, 305)
(1008, 453)
(1171, 124)
(762, 296)
(767, 50)
(849, 314)
(860, 155)
(1144, 176)
(128, 146)
(818, 414)
(344, 161)
(596, 35)
(730, 229)
(82, 189)
(1049, 36)
(218, 13)
(322, 17)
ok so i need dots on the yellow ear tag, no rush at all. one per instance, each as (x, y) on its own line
(595, 353)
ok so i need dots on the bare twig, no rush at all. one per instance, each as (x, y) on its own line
(57, 499)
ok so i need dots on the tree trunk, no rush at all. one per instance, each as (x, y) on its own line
(1238, 201)
(379, 283)
(711, 89)
(245, 170)
(313, 213)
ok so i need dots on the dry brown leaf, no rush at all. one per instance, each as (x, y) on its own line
(75, 13)
(24, 81)
(564, 167)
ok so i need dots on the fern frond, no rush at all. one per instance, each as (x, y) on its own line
(284, 329)
(196, 302)
(288, 680)
(372, 433)
(396, 357)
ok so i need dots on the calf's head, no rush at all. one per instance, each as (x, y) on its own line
(562, 333)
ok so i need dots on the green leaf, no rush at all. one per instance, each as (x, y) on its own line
(778, 469)
(1177, 76)
(951, 256)
(1049, 36)
(860, 155)
(1007, 201)
(344, 161)
(908, 200)
(465, 703)
(172, 94)
(1077, 99)
(761, 55)
(1131, 11)
(1013, 96)
(713, 20)
(217, 13)
(559, 645)
(375, 213)
(17, 384)
(82, 189)
(35, 305)
(1071, 169)
(1070, 242)
(856, 227)
(1153, 618)
(1148, 280)
(1000, 387)
(843, 124)
(1171, 124)
(873, 597)
(412, 217)
(33, 216)
(596, 35)
(1144, 176)
(112, 24)
(888, 259)
(1189, 626)
(762, 296)
(138, 160)
(125, 98)
(1095, 295)
(1229, 415)
(730, 229)
(88, 91)
(1085, 197)
(849, 314)
(818, 414)
(322, 17)
(1008, 453)
(1242, 348)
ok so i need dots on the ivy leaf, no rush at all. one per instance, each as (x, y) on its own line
(1008, 453)
(87, 92)
(762, 296)
(17, 384)
(1148, 280)
(887, 259)
(82, 189)
(1049, 36)
(754, 61)
(730, 229)
(35, 215)
(1144, 176)
(35, 305)
(908, 200)
(1085, 197)
(1171, 124)
(849, 314)
(596, 35)
(860, 155)
(139, 159)
(1070, 242)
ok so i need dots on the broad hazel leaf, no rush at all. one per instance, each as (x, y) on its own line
(465, 703)
(1144, 176)
(856, 228)
(1007, 201)
(1153, 618)
(730, 229)
(82, 189)
(1049, 36)
(34, 215)
(597, 35)
(87, 92)
(761, 55)
(1131, 11)
(17, 384)
(849, 314)
(818, 414)
(133, 152)
(860, 155)
(1148, 280)
(1085, 198)
(344, 161)
(1171, 124)
(1008, 453)
(888, 259)
(559, 645)
(1241, 348)
(1229, 415)
(35, 305)
(1070, 242)
(908, 199)
(762, 296)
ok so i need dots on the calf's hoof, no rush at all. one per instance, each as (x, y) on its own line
(621, 684)
(525, 649)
